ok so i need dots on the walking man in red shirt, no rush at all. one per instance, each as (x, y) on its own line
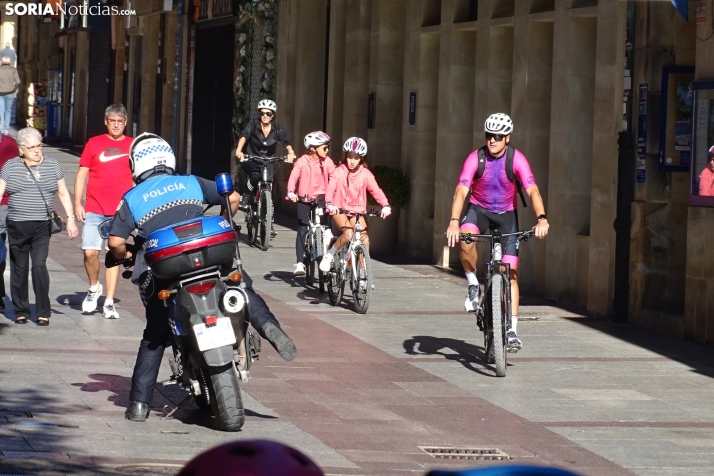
(105, 160)
(8, 150)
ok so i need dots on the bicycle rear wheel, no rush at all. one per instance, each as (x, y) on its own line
(362, 281)
(266, 219)
(497, 317)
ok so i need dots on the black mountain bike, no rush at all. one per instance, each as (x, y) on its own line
(259, 216)
(494, 312)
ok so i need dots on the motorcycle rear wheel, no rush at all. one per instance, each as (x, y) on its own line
(226, 398)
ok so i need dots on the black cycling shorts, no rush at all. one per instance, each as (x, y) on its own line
(477, 220)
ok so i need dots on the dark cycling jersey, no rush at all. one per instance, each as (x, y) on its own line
(257, 144)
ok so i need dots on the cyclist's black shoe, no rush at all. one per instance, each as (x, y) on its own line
(244, 201)
(514, 343)
(472, 298)
(279, 340)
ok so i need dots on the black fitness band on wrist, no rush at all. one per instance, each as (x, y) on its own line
(454, 219)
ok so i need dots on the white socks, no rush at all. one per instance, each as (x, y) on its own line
(471, 278)
(332, 251)
(514, 323)
(108, 302)
(94, 288)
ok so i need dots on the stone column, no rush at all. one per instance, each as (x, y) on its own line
(571, 149)
(356, 83)
(610, 52)
(338, 56)
(386, 78)
(699, 294)
(419, 141)
(530, 111)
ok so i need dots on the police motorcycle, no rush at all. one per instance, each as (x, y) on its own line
(213, 346)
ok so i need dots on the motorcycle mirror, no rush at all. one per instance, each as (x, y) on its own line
(104, 227)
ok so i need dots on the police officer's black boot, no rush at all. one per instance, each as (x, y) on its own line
(279, 340)
(137, 411)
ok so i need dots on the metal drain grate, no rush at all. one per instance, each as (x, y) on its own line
(466, 453)
(14, 413)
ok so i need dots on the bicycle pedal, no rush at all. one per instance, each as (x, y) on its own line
(171, 381)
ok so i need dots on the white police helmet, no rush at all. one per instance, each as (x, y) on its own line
(150, 154)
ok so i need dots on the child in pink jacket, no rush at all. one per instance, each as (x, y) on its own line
(347, 195)
(312, 170)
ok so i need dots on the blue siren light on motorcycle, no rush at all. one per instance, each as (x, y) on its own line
(224, 184)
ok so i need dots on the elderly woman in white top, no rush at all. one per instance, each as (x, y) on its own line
(27, 179)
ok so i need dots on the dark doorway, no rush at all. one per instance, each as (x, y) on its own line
(211, 139)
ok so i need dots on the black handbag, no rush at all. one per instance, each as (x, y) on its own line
(55, 221)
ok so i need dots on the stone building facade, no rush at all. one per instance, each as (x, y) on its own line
(560, 69)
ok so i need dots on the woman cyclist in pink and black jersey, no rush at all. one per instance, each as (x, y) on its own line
(347, 195)
(493, 205)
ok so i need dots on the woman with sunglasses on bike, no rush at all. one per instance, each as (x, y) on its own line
(312, 171)
(346, 196)
(260, 137)
(493, 205)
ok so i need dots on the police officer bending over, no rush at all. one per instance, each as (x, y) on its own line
(160, 199)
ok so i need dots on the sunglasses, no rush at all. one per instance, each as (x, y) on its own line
(711, 159)
(269, 114)
(496, 137)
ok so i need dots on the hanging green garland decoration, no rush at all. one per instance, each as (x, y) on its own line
(265, 13)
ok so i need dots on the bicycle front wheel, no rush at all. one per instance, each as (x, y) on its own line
(498, 315)
(362, 279)
(266, 219)
(251, 225)
(335, 283)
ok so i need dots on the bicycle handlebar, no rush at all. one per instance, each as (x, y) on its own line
(265, 160)
(471, 237)
(371, 213)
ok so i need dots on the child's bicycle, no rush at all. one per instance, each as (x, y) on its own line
(352, 264)
(315, 243)
(493, 315)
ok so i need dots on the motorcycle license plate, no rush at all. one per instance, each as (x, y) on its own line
(215, 336)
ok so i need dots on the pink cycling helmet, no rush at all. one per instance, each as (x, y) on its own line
(355, 145)
(251, 458)
(316, 139)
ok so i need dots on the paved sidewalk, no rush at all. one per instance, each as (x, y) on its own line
(366, 392)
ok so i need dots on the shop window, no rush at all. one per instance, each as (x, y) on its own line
(539, 6)
(675, 130)
(504, 9)
(584, 3)
(465, 11)
(430, 12)
(702, 140)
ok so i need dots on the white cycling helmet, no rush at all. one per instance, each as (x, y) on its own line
(316, 139)
(355, 145)
(498, 123)
(267, 104)
(150, 154)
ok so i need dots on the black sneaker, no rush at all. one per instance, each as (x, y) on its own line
(472, 298)
(137, 411)
(279, 340)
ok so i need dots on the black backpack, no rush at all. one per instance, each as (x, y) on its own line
(510, 152)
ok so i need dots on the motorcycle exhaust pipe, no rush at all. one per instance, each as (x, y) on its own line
(232, 302)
